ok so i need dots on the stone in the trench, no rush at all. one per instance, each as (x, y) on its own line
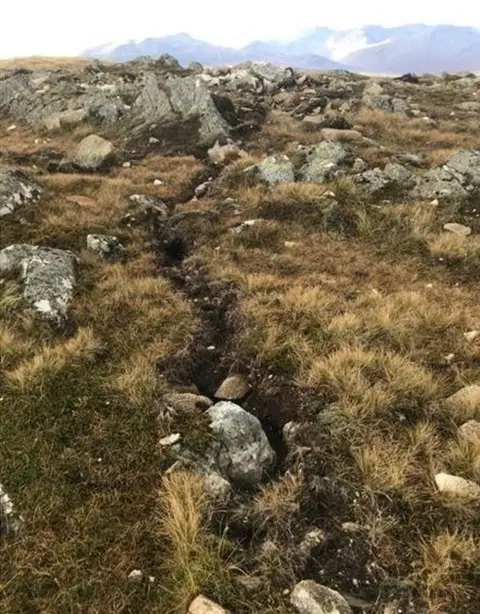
(48, 277)
(308, 597)
(241, 449)
(17, 189)
(234, 388)
(93, 153)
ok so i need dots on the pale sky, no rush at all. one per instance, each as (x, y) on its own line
(59, 27)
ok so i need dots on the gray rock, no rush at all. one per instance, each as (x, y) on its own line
(17, 189)
(241, 450)
(217, 489)
(465, 166)
(63, 119)
(153, 103)
(190, 97)
(359, 166)
(234, 388)
(394, 176)
(324, 161)
(373, 89)
(275, 75)
(108, 247)
(470, 106)
(308, 597)
(439, 183)
(274, 169)
(93, 153)
(10, 521)
(48, 278)
(401, 106)
(149, 205)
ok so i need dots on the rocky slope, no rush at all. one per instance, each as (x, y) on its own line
(239, 341)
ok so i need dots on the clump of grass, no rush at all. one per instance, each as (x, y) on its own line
(195, 559)
(446, 559)
(276, 507)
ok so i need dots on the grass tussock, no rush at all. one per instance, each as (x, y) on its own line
(195, 560)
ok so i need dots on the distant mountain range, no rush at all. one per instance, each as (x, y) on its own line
(373, 49)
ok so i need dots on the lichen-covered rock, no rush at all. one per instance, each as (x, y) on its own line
(17, 189)
(465, 166)
(10, 521)
(324, 160)
(393, 177)
(93, 153)
(439, 183)
(308, 597)
(48, 278)
(108, 247)
(274, 169)
(241, 449)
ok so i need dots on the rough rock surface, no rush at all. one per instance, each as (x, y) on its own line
(470, 431)
(202, 605)
(323, 161)
(93, 153)
(455, 486)
(308, 597)
(48, 278)
(17, 189)
(186, 402)
(274, 169)
(241, 451)
(234, 388)
(108, 247)
(467, 397)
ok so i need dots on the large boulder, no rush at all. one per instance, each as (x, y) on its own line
(48, 278)
(324, 161)
(241, 449)
(275, 76)
(308, 597)
(439, 183)
(465, 166)
(10, 521)
(17, 189)
(179, 99)
(93, 153)
(393, 177)
(237, 450)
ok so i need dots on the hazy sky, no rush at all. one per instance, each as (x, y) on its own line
(59, 27)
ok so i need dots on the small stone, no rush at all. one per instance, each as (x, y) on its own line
(127, 165)
(470, 430)
(158, 182)
(311, 540)
(217, 489)
(458, 229)
(11, 522)
(332, 134)
(170, 440)
(152, 140)
(359, 165)
(471, 335)
(12, 127)
(467, 397)
(308, 597)
(202, 189)
(186, 403)
(109, 247)
(202, 605)
(352, 527)
(249, 583)
(455, 486)
(234, 388)
(135, 576)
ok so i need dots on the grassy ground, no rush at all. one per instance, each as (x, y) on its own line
(350, 323)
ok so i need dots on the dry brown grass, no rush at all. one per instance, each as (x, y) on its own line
(44, 63)
(195, 560)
